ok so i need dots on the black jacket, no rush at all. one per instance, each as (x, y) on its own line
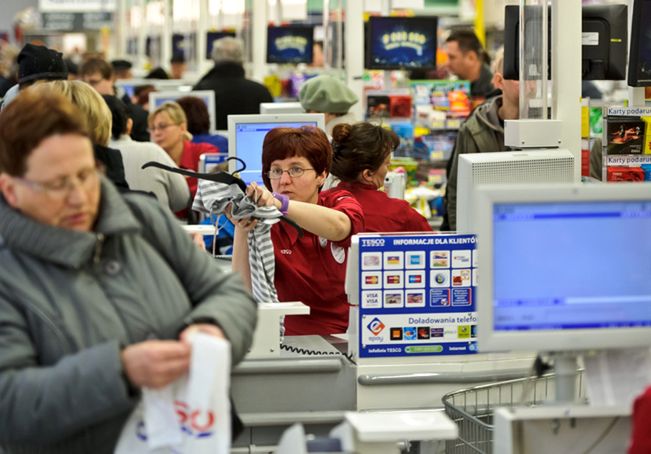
(234, 94)
(111, 160)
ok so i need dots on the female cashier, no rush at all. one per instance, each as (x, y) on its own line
(310, 269)
(362, 153)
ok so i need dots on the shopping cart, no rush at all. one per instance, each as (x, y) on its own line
(472, 408)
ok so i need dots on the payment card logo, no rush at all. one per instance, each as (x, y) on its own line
(376, 326)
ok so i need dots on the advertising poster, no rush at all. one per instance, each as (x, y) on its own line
(416, 295)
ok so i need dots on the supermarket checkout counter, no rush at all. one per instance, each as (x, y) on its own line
(311, 381)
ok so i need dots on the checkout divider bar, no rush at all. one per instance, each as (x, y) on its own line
(440, 377)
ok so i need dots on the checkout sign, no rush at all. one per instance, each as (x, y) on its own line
(416, 295)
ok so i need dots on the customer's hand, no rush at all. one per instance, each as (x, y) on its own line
(155, 363)
(197, 239)
(206, 328)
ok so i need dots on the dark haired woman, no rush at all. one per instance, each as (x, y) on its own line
(362, 153)
(311, 268)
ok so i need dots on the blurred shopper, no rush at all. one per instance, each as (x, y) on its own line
(98, 117)
(169, 129)
(361, 158)
(8, 67)
(98, 292)
(178, 65)
(122, 69)
(157, 73)
(36, 63)
(309, 268)
(234, 94)
(199, 123)
(330, 96)
(468, 60)
(170, 189)
(98, 73)
(483, 131)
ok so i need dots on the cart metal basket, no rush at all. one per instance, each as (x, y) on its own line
(472, 408)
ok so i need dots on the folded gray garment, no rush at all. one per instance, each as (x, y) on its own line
(213, 198)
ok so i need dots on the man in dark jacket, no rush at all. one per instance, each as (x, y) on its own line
(483, 131)
(234, 94)
(468, 60)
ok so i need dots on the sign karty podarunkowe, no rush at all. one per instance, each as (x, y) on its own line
(417, 295)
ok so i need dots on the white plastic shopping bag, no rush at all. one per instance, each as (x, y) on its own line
(190, 416)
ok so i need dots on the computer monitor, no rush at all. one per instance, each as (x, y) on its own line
(157, 98)
(246, 134)
(211, 37)
(639, 59)
(604, 40)
(281, 108)
(564, 267)
(506, 167)
(290, 44)
(401, 42)
(184, 44)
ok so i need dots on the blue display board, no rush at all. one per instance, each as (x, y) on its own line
(290, 44)
(417, 295)
(401, 42)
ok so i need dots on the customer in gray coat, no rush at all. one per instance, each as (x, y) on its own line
(98, 291)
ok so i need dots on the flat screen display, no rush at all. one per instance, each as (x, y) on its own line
(639, 69)
(571, 266)
(401, 42)
(290, 44)
(248, 145)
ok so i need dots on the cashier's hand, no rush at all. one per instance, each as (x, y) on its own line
(244, 224)
(206, 328)
(155, 363)
(261, 195)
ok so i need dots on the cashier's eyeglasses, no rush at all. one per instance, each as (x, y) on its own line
(276, 173)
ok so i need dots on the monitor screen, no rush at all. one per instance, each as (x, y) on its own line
(157, 98)
(290, 44)
(211, 37)
(401, 42)
(639, 63)
(184, 44)
(603, 39)
(246, 134)
(564, 267)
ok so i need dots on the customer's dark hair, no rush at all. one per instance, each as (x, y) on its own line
(119, 114)
(467, 41)
(197, 113)
(94, 66)
(360, 147)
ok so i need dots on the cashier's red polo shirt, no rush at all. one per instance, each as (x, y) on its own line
(313, 270)
(383, 213)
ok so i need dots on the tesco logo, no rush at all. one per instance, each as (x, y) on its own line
(194, 423)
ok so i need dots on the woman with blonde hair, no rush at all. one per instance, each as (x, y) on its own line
(99, 119)
(168, 127)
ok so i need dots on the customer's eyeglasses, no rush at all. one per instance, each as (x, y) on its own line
(62, 187)
(163, 127)
(294, 172)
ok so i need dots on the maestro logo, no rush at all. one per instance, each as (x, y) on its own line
(376, 326)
